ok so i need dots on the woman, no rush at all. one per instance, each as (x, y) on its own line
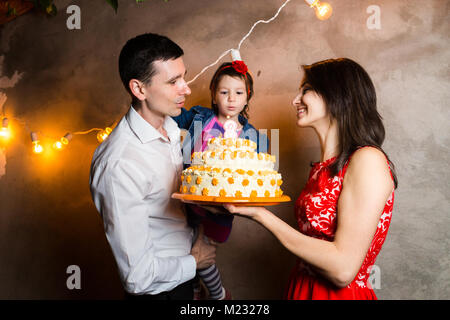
(344, 211)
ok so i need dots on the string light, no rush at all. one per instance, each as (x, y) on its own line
(5, 133)
(240, 42)
(103, 134)
(64, 141)
(37, 148)
(323, 10)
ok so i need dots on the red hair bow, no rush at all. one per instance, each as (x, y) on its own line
(239, 66)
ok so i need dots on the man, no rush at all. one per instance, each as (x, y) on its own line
(135, 171)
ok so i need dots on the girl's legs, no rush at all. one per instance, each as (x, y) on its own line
(218, 228)
(211, 278)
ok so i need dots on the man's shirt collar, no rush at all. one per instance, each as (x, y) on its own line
(146, 132)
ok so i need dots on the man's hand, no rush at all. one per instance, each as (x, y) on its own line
(204, 252)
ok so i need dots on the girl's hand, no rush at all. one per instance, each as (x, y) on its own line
(251, 212)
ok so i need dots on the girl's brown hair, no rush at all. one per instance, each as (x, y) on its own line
(227, 69)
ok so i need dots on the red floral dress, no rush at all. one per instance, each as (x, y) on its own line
(316, 213)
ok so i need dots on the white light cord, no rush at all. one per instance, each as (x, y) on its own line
(209, 66)
(240, 43)
(263, 21)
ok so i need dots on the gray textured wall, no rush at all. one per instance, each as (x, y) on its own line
(58, 80)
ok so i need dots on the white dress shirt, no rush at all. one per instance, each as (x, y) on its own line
(133, 174)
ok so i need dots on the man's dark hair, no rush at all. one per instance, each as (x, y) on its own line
(138, 54)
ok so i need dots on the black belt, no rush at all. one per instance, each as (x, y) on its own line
(184, 291)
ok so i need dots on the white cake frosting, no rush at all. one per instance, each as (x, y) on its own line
(230, 167)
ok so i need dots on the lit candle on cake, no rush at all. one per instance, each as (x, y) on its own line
(231, 126)
(230, 129)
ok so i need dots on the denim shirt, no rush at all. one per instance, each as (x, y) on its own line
(195, 120)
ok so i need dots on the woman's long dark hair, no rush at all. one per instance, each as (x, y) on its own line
(350, 98)
(227, 69)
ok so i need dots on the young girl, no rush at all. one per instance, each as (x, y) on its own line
(231, 89)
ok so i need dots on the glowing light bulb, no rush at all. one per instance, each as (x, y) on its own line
(64, 141)
(37, 148)
(4, 132)
(58, 145)
(103, 134)
(323, 10)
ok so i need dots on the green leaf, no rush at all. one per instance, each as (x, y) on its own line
(114, 4)
(11, 11)
(51, 10)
